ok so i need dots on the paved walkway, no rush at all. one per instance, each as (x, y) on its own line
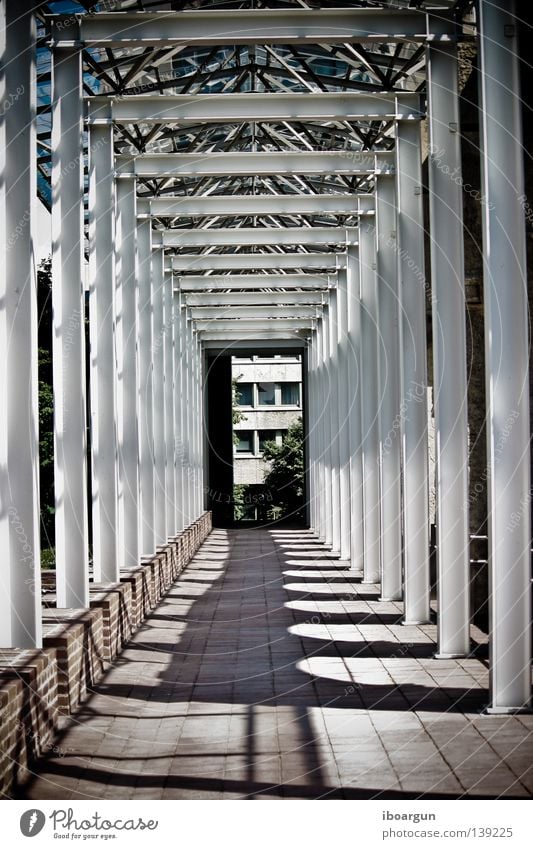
(269, 671)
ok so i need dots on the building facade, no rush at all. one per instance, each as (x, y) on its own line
(269, 396)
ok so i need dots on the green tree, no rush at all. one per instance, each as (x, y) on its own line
(236, 414)
(284, 479)
(46, 406)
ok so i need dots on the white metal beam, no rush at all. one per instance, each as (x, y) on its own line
(250, 236)
(222, 299)
(249, 325)
(256, 261)
(252, 163)
(249, 338)
(245, 311)
(324, 204)
(237, 107)
(261, 26)
(199, 283)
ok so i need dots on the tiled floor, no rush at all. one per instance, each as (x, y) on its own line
(269, 671)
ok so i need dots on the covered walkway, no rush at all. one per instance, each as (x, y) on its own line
(270, 671)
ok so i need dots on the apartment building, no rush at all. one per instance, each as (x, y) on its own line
(269, 395)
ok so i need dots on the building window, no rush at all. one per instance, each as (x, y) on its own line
(245, 444)
(245, 394)
(266, 436)
(290, 394)
(266, 394)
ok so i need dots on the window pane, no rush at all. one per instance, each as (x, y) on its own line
(266, 436)
(266, 393)
(290, 393)
(246, 441)
(245, 394)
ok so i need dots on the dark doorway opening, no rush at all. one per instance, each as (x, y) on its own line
(256, 413)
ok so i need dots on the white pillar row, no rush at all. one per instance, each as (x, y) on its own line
(369, 402)
(333, 408)
(68, 340)
(413, 358)
(128, 549)
(20, 605)
(343, 413)
(102, 338)
(506, 359)
(354, 412)
(158, 342)
(449, 353)
(145, 391)
(179, 444)
(170, 487)
(389, 389)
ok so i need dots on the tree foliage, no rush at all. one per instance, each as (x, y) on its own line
(285, 476)
(236, 414)
(46, 403)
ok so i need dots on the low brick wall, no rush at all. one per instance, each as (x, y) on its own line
(38, 687)
(77, 635)
(29, 699)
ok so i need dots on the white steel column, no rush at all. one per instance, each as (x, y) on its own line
(449, 353)
(126, 347)
(323, 419)
(389, 390)
(145, 391)
(102, 330)
(333, 405)
(193, 411)
(369, 402)
(413, 349)
(355, 428)
(312, 432)
(179, 443)
(320, 434)
(158, 277)
(198, 479)
(20, 605)
(68, 342)
(170, 483)
(343, 413)
(186, 419)
(506, 334)
(328, 451)
(201, 440)
(317, 443)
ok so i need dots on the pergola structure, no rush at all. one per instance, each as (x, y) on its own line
(238, 193)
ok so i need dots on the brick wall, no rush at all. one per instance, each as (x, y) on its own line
(38, 687)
